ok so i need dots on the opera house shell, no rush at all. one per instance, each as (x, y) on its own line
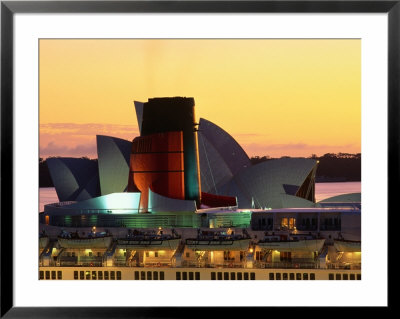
(74, 178)
(113, 158)
(226, 170)
(226, 175)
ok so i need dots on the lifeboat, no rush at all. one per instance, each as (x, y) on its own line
(347, 245)
(93, 240)
(220, 240)
(138, 240)
(291, 243)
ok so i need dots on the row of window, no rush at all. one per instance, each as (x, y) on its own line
(344, 276)
(55, 275)
(149, 275)
(268, 221)
(159, 275)
(82, 275)
(96, 275)
(232, 276)
(291, 276)
(184, 275)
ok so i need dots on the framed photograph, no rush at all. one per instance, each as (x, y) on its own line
(193, 151)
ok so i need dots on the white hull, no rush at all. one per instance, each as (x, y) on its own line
(347, 246)
(144, 273)
(212, 245)
(148, 244)
(290, 246)
(100, 242)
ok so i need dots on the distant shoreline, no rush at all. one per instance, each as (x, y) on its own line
(331, 168)
(316, 181)
(334, 180)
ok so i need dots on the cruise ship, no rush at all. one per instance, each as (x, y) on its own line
(286, 249)
(183, 202)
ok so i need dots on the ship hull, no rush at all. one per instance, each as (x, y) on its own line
(167, 273)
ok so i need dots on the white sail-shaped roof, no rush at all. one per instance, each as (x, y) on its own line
(113, 156)
(264, 184)
(221, 157)
(74, 178)
(163, 204)
(214, 171)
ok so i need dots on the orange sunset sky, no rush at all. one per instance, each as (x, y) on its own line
(275, 97)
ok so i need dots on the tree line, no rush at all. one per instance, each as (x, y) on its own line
(332, 167)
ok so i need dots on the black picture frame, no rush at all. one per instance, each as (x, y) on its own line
(9, 8)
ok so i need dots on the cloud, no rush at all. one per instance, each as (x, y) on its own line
(89, 129)
(53, 149)
(76, 139)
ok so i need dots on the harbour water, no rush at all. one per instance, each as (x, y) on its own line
(326, 190)
(322, 190)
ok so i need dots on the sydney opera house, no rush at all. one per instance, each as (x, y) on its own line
(177, 173)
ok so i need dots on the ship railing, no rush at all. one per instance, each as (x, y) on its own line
(192, 264)
(144, 265)
(119, 259)
(287, 265)
(307, 228)
(262, 227)
(233, 265)
(330, 227)
(158, 264)
(68, 259)
(90, 264)
(353, 266)
(61, 203)
(74, 263)
(123, 263)
(53, 263)
(89, 259)
(219, 209)
(204, 264)
(68, 262)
